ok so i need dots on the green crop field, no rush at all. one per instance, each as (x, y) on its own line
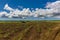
(30, 30)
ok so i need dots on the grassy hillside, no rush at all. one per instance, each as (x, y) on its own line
(30, 30)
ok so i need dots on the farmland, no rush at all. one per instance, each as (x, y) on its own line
(30, 30)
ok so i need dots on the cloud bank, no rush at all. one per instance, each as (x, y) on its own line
(52, 9)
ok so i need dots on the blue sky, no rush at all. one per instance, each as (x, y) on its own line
(25, 3)
(21, 4)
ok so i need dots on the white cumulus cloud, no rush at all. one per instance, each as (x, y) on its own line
(8, 8)
(52, 10)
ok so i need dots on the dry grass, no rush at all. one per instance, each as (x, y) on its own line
(30, 30)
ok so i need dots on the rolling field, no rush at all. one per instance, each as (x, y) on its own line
(30, 30)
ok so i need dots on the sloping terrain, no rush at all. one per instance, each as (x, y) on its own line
(30, 30)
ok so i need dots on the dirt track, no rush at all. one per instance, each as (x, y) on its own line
(30, 31)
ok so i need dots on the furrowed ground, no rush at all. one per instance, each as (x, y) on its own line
(30, 30)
